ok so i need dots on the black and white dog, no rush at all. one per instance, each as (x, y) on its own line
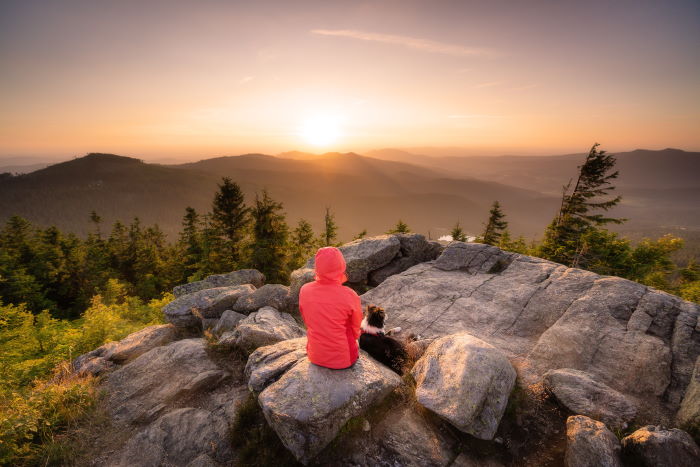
(375, 341)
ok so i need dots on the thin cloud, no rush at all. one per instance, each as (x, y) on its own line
(424, 45)
(460, 116)
(488, 85)
(246, 79)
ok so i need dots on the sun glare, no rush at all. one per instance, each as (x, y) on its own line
(320, 130)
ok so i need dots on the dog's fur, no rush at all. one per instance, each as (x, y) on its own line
(373, 340)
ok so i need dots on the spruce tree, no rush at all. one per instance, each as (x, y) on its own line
(191, 243)
(564, 237)
(270, 232)
(361, 235)
(230, 217)
(495, 225)
(458, 234)
(301, 244)
(329, 235)
(399, 228)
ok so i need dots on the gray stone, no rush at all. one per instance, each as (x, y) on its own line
(187, 310)
(274, 295)
(228, 322)
(689, 414)
(267, 364)
(330, 398)
(466, 381)
(240, 277)
(203, 461)
(297, 279)
(264, 327)
(638, 341)
(95, 366)
(396, 266)
(179, 438)
(659, 447)
(140, 342)
(581, 394)
(590, 444)
(138, 392)
(365, 255)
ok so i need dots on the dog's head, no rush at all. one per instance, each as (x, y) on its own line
(375, 316)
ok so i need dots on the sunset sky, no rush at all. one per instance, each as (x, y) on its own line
(203, 78)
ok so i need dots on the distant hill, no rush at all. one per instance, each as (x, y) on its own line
(658, 187)
(364, 192)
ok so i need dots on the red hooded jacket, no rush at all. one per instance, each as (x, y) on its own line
(332, 313)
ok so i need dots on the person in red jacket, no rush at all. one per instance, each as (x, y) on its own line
(332, 313)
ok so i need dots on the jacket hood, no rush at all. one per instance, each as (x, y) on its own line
(330, 265)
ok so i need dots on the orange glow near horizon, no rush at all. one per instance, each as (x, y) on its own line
(182, 80)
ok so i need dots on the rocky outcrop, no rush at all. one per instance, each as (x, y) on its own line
(267, 364)
(465, 381)
(179, 438)
(274, 295)
(638, 341)
(659, 447)
(590, 444)
(141, 391)
(689, 414)
(264, 327)
(188, 310)
(240, 277)
(581, 394)
(309, 404)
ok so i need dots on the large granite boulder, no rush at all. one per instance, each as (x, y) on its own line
(637, 340)
(187, 310)
(264, 327)
(590, 444)
(309, 404)
(466, 381)
(365, 255)
(688, 415)
(268, 363)
(581, 394)
(140, 391)
(654, 446)
(240, 277)
(178, 438)
(274, 295)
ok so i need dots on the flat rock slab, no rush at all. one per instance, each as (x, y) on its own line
(140, 342)
(590, 443)
(228, 322)
(581, 394)
(466, 381)
(264, 327)
(267, 364)
(187, 310)
(240, 277)
(689, 413)
(179, 438)
(141, 390)
(655, 446)
(309, 404)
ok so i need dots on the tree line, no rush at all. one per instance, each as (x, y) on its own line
(45, 268)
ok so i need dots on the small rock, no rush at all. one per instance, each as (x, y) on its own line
(264, 327)
(365, 425)
(274, 295)
(140, 342)
(581, 394)
(240, 277)
(472, 257)
(94, 366)
(228, 322)
(659, 447)
(466, 381)
(590, 444)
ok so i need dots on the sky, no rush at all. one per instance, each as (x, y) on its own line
(197, 79)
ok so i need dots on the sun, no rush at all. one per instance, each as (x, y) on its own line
(320, 130)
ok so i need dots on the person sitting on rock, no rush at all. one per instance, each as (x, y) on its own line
(332, 313)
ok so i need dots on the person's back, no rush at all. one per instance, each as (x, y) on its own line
(332, 313)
